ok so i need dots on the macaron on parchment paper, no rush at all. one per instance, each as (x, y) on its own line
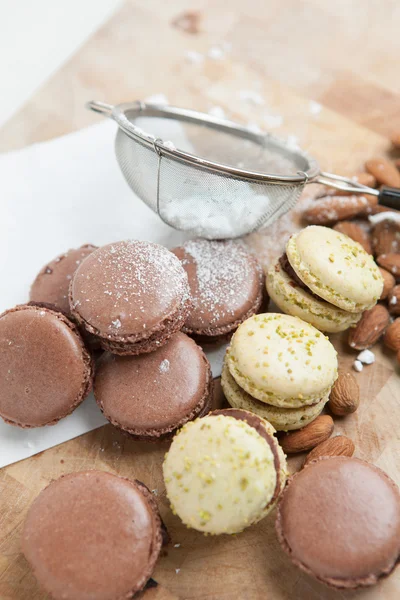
(224, 472)
(92, 535)
(227, 286)
(51, 285)
(338, 520)
(132, 295)
(45, 369)
(326, 278)
(150, 396)
(279, 367)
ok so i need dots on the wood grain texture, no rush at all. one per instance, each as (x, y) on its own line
(341, 54)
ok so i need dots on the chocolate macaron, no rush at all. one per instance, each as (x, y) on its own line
(92, 535)
(150, 396)
(133, 296)
(339, 520)
(45, 369)
(226, 283)
(52, 283)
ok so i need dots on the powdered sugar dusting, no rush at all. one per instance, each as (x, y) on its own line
(164, 366)
(222, 270)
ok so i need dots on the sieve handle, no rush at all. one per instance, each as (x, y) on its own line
(100, 107)
(345, 184)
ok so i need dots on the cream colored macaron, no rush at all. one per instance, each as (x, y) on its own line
(282, 360)
(282, 419)
(224, 472)
(294, 300)
(335, 267)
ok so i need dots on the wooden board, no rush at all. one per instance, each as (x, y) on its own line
(290, 53)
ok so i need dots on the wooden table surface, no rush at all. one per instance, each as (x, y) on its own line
(344, 55)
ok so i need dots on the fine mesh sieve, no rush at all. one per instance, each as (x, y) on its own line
(212, 177)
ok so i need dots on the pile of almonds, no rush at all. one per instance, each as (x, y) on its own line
(349, 214)
(381, 238)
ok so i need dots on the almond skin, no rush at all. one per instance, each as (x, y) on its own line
(384, 171)
(370, 328)
(392, 336)
(394, 301)
(345, 395)
(385, 237)
(378, 208)
(390, 262)
(310, 436)
(356, 233)
(331, 209)
(388, 283)
(340, 445)
(395, 139)
(398, 357)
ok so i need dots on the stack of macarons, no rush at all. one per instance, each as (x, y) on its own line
(280, 368)
(325, 278)
(224, 472)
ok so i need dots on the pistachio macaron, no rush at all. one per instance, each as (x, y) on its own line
(298, 301)
(325, 278)
(282, 361)
(224, 472)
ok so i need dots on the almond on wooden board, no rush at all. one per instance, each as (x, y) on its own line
(369, 328)
(379, 208)
(344, 398)
(395, 139)
(388, 283)
(390, 262)
(310, 436)
(394, 300)
(391, 338)
(385, 237)
(331, 209)
(384, 171)
(340, 445)
(356, 233)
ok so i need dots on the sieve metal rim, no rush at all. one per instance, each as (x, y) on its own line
(118, 113)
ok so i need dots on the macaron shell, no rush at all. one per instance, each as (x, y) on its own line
(92, 535)
(295, 301)
(347, 532)
(226, 285)
(282, 419)
(52, 283)
(153, 394)
(45, 368)
(281, 360)
(335, 267)
(126, 291)
(219, 474)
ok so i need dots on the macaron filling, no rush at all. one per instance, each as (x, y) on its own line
(297, 282)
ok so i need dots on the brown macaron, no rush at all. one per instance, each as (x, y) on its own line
(52, 283)
(45, 369)
(227, 286)
(339, 521)
(152, 395)
(92, 536)
(133, 296)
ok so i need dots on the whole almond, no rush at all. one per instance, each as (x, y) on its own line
(379, 208)
(385, 237)
(310, 436)
(369, 328)
(390, 262)
(340, 445)
(394, 300)
(395, 139)
(356, 233)
(397, 163)
(331, 209)
(345, 395)
(392, 336)
(388, 283)
(384, 171)
(398, 357)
